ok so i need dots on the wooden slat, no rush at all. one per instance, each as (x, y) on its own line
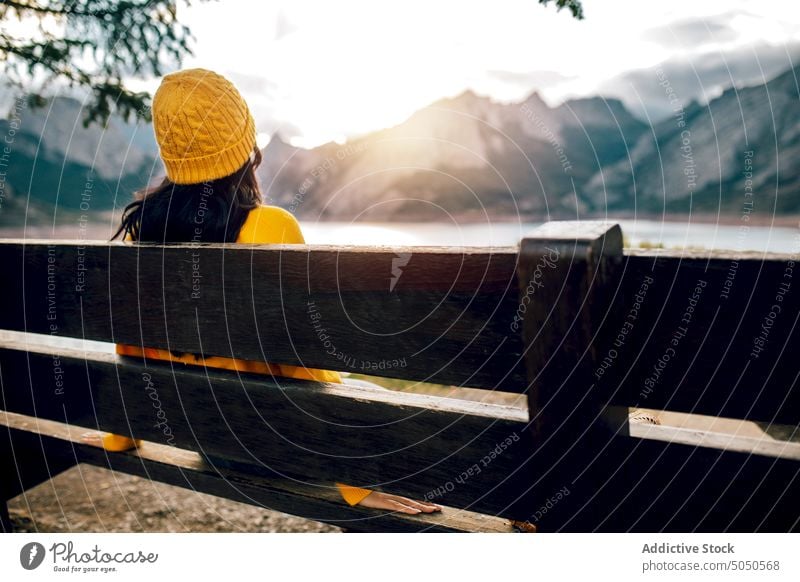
(440, 315)
(408, 443)
(566, 273)
(697, 430)
(186, 469)
(649, 484)
(731, 357)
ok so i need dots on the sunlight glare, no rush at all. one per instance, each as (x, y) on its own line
(333, 233)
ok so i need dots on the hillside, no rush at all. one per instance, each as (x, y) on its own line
(468, 157)
(463, 155)
(702, 166)
(54, 160)
(472, 156)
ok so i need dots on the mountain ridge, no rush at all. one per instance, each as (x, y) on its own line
(469, 154)
(55, 161)
(715, 139)
(462, 156)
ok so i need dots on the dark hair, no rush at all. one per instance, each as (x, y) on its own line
(212, 211)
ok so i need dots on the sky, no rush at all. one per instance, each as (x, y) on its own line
(316, 70)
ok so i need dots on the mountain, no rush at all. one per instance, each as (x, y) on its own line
(702, 157)
(466, 155)
(471, 156)
(54, 160)
(16, 210)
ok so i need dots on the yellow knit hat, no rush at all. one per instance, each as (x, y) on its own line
(203, 127)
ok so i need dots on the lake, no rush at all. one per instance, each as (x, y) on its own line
(669, 234)
(675, 234)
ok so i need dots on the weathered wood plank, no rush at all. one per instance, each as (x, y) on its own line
(409, 443)
(648, 485)
(567, 277)
(316, 501)
(5, 520)
(428, 314)
(566, 280)
(714, 334)
(21, 468)
(697, 430)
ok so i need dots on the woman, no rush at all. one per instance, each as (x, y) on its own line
(206, 139)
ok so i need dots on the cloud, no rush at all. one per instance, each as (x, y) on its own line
(252, 83)
(693, 32)
(283, 26)
(531, 79)
(344, 68)
(700, 77)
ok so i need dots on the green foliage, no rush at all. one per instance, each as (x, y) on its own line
(574, 6)
(644, 244)
(93, 44)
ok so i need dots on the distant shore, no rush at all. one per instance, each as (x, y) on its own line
(97, 230)
(785, 221)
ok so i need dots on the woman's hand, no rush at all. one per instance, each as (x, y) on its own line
(113, 443)
(389, 502)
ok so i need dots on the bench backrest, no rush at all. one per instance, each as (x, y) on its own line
(707, 333)
(428, 314)
(568, 319)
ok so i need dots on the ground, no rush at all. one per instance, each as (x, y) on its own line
(90, 499)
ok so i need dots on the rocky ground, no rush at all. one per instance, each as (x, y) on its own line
(90, 499)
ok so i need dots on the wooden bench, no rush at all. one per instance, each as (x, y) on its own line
(580, 331)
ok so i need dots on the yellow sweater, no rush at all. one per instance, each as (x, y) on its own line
(267, 225)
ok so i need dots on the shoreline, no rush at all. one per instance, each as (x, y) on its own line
(782, 221)
(101, 230)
